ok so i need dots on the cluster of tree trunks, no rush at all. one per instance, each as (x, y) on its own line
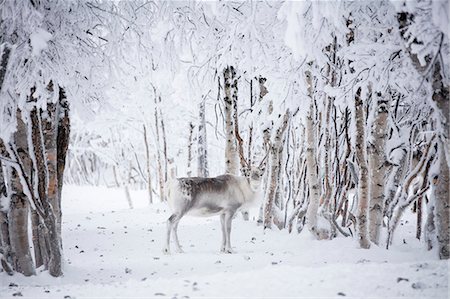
(32, 164)
(383, 187)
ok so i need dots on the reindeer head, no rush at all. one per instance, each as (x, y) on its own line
(255, 174)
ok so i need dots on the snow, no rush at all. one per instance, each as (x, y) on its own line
(38, 41)
(112, 252)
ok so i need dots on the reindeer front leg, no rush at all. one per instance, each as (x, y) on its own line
(228, 219)
(224, 232)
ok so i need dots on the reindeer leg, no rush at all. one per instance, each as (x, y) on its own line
(175, 233)
(170, 223)
(224, 232)
(228, 219)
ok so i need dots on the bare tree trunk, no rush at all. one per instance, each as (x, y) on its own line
(363, 186)
(50, 131)
(311, 163)
(202, 143)
(419, 217)
(442, 205)
(311, 170)
(231, 155)
(326, 210)
(5, 245)
(149, 172)
(40, 250)
(4, 59)
(377, 162)
(274, 177)
(19, 207)
(430, 227)
(164, 139)
(62, 140)
(158, 153)
(128, 196)
(190, 142)
(266, 134)
(18, 231)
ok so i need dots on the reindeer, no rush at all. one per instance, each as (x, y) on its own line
(223, 195)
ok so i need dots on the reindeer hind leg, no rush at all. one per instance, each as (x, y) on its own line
(175, 234)
(170, 224)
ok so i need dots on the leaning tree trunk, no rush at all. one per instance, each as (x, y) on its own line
(363, 186)
(202, 143)
(377, 166)
(231, 155)
(441, 98)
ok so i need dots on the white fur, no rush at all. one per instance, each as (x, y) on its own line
(236, 193)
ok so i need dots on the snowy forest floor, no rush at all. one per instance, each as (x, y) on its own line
(112, 251)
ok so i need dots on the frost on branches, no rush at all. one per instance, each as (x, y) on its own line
(346, 103)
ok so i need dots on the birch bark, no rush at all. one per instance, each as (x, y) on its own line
(377, 162)
(363, 184)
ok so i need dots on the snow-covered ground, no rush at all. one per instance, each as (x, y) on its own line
(112, 251)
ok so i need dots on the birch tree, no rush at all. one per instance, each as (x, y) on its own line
(427, 43)
(377, 165)
(231, 155)
(202, 150)
(363, 184)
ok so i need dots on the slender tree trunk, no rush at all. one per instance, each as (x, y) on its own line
(430, 227)
(40, 248)
(377, 162)
(190, 142)
(311, 172)
(419, 218)
(62, 141)
(50, 131)
(158, 153)
(264, 114)
(4, 59)
(164, 139)
(442, 206)
(363, 186)
(274, 175)
(148, 164)
(231, 155)
(311, 163)
(202, 169)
